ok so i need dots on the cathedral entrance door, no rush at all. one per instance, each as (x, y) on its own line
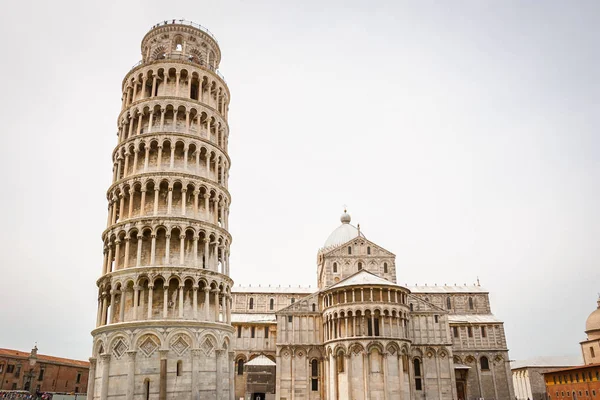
(460, 390)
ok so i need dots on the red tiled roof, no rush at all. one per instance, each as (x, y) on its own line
(43, 358)
(574, 368)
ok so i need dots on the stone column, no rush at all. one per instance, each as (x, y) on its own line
(159, 156)
(122, 308)
(196, 238)
(384, 361)
(216, 292)
(206, 304)
(231, 370)
(162, 391)
(105, 371)
(181, 249)
(136, 295)
(196, 355)
(153, 249)
(91, 379)
(138, 258)
(156, 192)
(130, 374)
(168, 249)
(180, 301)
(170, 199)
(219, 377)
(112, 306)
(183, 200)
(150, 290)
(195, 300)
(153, 89)
(165, 300)
(366, 370)
(126, 260)
(103, 319)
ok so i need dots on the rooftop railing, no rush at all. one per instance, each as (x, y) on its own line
(186, 22)
(183, 57)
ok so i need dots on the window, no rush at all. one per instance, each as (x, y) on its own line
(349, 250)
(340, 362)
(483, 332)
(411, 307)
(314, 375)
(592, 352)
(417, 370)
(376, 320)
(455, 331)
(594, 392)
(290, 319)
(239, 329)
(240, 367)
(314, 307)
(359, 266)
(179, 367)
(76, 389)
(14, 386)
(266, 332)
(293, 300)
(485, 364)
(271, 304)
(147, 389)
(41, 375)
(253, 332)
(369, 250)
(555, 383)
(436, 318)
(590, 376)
(470, 331)
(385, 268)
(334, 267)
(78, 380)
(470, 303)
(18, 371)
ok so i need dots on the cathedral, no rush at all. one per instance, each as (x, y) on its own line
(362, 336)
(171, 324)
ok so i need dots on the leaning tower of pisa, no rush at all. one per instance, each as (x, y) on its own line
(163, 329)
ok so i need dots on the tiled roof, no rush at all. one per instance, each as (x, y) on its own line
(363, 277)
(261, 360)
(273, 289)
(43, 358)
(254, 318)
(447, 289)
(473, 319)
(549, 361)
(577, 367)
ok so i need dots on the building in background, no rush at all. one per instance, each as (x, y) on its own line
(20, 370)
(582, 382)
(528, 375)
(360, 335)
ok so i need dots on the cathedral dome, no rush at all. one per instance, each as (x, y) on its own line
(593, 322)
(343, 233)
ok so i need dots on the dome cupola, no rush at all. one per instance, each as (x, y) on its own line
(343, 233)
(592, 325)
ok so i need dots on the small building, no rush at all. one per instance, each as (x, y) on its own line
(20, 370)
(581, 382)
(528, 375)
(260, 378)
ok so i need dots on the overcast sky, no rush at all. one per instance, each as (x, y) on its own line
(463, 136)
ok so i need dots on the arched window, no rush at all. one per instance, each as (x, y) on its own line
(368, 249)
(470, 303)
(485, 364)
(340, 362)
(359, 266)
(417, 371)
(448, 303)
(178, 43)
(314, 307)
(293, 300)
(251, 305)
(240, 367)
(411, 307)
(385, 269)
(271, 304)
(326, 302)
(334, 267)
(314, 375)
(349, 250)
(179, 367)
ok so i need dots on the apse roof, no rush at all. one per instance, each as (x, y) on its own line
(363, 277)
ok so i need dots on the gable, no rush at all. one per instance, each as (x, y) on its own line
(342, 250)
(302, 306)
